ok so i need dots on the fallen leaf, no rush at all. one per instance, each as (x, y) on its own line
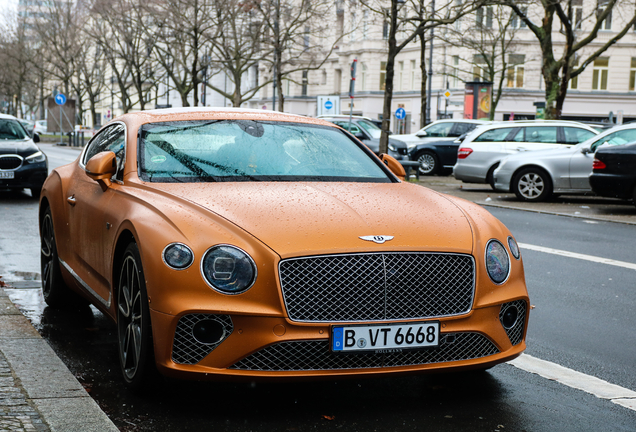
(327, 417)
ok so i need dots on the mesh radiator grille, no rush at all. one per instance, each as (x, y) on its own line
(315, 355)
(10, 162)
(374, 287)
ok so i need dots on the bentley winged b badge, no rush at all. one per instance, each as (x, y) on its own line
(379, 239)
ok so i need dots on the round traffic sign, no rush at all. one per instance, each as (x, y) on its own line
(328, 105)
(400, 113)
(60, 99)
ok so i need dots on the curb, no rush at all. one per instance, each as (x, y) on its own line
(61, 401)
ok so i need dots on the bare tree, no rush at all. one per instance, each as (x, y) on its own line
(298, 35)
(580, 46)
(238, 48)
(182, 31)
(410, 27)
(492, 45)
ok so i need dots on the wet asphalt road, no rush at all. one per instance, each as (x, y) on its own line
(584, 319)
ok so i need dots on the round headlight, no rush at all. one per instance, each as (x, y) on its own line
(178, 256)
(497, 261)
(514, 248)
(228, 269)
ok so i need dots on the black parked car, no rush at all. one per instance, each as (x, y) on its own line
(369, 134)
(436, 157)
(22, 164)
(614, 172)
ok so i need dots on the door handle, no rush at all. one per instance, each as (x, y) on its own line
(71, 200)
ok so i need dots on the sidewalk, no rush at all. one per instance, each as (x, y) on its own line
(37, 391)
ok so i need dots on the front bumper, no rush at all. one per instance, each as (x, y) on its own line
(502, 180)
(258, 346)
(27, 176)
(613, 185)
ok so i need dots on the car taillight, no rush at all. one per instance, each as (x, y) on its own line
(597, 164)
(464, 152)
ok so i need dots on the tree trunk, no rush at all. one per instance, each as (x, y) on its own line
(424, 78)
(388, 82)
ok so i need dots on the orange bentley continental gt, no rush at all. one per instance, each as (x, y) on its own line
(257, 244)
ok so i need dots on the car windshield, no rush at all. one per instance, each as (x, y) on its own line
(371, 129)
(248, 150)
(11, 130)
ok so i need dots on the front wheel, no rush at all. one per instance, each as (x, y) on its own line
(55, 292)
(429, 163)
(532, 184)
(134, 332)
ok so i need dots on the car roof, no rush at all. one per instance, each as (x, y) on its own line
(8, 117)
(519, 123)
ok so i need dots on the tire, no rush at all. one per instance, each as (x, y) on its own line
(532, 184)
(55, 292)
(634, 196)
(490, 177)
(134, 332)
(429, 163)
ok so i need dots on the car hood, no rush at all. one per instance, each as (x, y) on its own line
(296, 219)
(20, 147)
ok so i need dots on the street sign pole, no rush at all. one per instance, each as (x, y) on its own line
(352, 90)
(60, 100)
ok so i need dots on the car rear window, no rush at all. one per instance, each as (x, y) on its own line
(248, 150)
(494, 135)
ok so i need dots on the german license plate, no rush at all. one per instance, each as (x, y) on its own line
(7, 174)
(384, 337)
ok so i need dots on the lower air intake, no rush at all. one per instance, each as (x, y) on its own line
(186, 349)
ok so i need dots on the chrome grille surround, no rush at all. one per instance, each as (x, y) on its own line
(10, 162)
(377, 286)
(515, 333)
(185, 348)
(316, 355)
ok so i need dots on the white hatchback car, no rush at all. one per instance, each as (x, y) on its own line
(440, 130)
(485, 147)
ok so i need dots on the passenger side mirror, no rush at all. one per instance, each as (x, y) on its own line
(393, 164)
(586, 150)
(102, 167)
(36, 137)
(421, 134)
(360, 136)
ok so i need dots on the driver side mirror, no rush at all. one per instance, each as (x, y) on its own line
(461, 138)
(586, 150)
(102, 167)
(421, 134)
(393, 164)
(36, 137)
(360, 136)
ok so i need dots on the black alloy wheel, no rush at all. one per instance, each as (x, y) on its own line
(55, 292)
(532, 184)
(429, 163)
(134, 332)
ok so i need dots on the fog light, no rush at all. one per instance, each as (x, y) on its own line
(510, 316)
(208, 332)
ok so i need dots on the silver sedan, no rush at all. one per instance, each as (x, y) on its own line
(535, 176)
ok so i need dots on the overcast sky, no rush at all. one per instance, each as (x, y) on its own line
(7, 5)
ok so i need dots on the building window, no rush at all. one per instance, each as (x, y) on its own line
(304, 83)
(363, 77)
(484, 17)
(607, 22)
(352, 31)
(385, 25)
(400, 76)
(306, 37)
(413, 70)
(515, 72)
(574, 82)
(599, 74)
(518, 23)
(632, 75)
(455, 71)
(365, 24)
(323, 81)
(577, 14)
(382, 75)
(479, 73)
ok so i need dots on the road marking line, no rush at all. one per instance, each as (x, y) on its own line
(577, 380)
(592, 258)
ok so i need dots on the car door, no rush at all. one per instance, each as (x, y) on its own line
(581, 161)
(530, 138)
(87, 216)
